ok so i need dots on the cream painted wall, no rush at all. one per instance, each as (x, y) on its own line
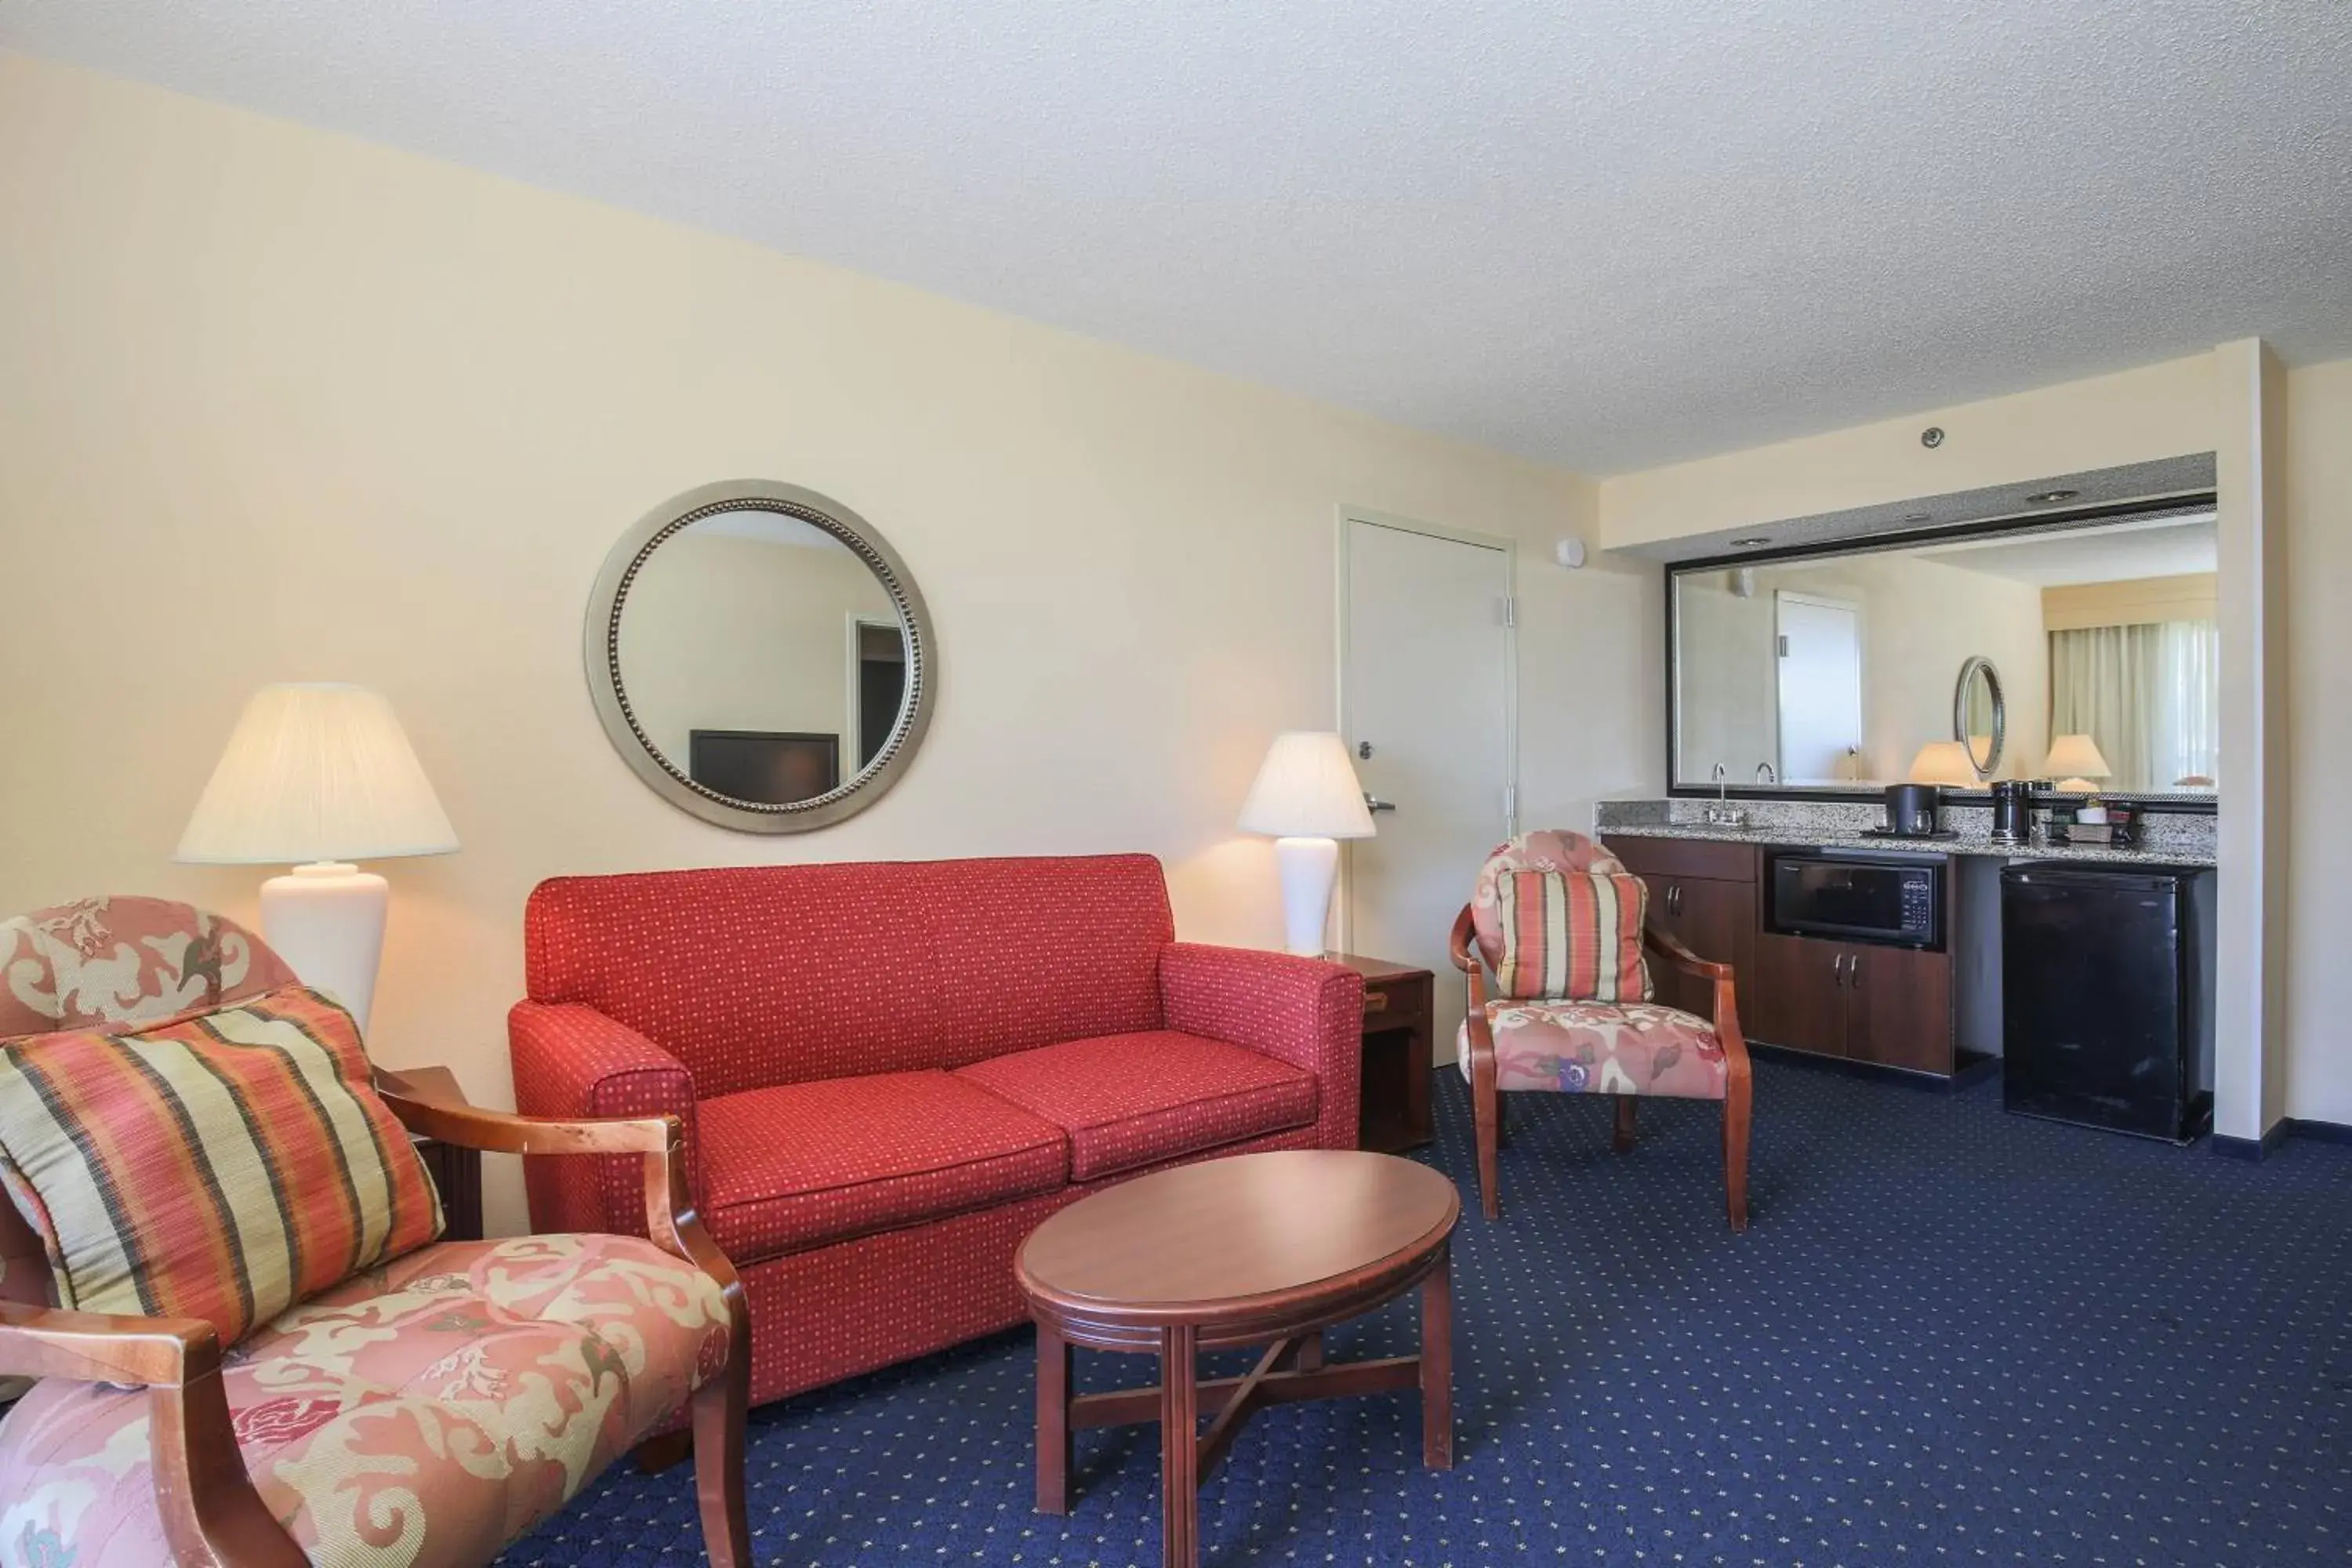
(276, 405)
(2158, 411)
(2319, 743)
(2250, 1058)
(2131, 602)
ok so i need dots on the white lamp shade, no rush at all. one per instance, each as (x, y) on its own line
(1944, 762)
(316, 772)
(1307, 788)
(2075, 757)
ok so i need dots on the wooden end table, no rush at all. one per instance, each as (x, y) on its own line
(457, 1172)
(1399, 1029)
(1254, 1249)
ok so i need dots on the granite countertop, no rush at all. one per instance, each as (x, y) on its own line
(1833, 838)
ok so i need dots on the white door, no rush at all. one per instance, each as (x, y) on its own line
(1821, 687)
(1425, 704)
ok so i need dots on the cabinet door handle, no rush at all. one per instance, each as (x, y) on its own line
(1853, 969)
(1837, 970)
(1673, 898)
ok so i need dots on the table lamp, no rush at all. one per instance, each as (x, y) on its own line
(316, 776)
(1944, 762)
(2075, 761)
(1307, 798)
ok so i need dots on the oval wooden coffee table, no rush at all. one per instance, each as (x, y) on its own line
(1254, 1249)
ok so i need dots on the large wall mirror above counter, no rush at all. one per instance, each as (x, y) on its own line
(760, 656)
(2078, 650)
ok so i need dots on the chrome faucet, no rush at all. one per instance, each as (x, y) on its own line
(1766, 775)
(1723, 814)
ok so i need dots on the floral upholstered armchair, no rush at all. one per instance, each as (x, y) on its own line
(1558, 922)
(219, 1263)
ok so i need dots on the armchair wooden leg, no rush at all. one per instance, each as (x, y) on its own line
(719, 1410)
(663, 1451)
(1622, 1138)
(1736, 1106)
(1486, 1107)
(1502, 1122)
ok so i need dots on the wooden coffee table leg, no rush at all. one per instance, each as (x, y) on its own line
(1180, 1451)
(1054, 1454)
(1310, 1352)
(1437, 1364)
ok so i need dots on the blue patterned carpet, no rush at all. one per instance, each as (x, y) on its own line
(1950, 1336)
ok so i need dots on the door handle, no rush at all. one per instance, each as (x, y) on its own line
(1674, 899)
(1837, 970)
(1372, 803)
(1853, 969)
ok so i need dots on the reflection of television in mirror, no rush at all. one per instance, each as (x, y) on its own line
(768, 766)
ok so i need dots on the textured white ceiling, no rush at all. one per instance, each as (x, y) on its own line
(1608, 232)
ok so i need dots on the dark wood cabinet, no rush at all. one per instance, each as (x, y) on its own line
(1400, 1043)
(1891, 1006)
(1898, 1009)
(1716, 920)
(1704, 896)
(1796, 996)
(1888, 1007)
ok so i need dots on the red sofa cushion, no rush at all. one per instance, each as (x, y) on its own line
(1136, 1099)
(754, 976)
(802, 1165)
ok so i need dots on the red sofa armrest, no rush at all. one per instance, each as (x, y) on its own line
(1302, 1011)
(571, 1061)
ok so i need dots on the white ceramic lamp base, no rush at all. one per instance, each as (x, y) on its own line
(1309, 867)
(326, 920)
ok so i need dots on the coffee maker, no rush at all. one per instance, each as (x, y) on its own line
(2013, 811)
(1912, 810)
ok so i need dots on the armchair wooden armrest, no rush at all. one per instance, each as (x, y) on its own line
(212, 1516)
(1459, 944)
(670, 1219)
(1726, 999)
(103, 1347)
(1672, 950)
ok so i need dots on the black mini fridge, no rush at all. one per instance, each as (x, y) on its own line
(2102, 997)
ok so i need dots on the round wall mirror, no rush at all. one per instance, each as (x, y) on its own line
(1980, 717)
(759, 655)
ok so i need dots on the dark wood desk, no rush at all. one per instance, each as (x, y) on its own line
(1399, 1024)
(1256, 1249)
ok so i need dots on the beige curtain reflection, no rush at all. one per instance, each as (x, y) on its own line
(2147, 694)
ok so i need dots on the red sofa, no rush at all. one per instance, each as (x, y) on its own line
(889, 1073)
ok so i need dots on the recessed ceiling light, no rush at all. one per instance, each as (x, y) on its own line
(1751, 542)
(2049, 498)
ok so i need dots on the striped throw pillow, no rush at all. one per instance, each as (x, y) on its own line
(225, 1167)
(1573, 936)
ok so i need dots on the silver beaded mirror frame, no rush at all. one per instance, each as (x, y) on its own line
(608, 685)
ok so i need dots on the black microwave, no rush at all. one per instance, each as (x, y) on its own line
(1855, 896)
